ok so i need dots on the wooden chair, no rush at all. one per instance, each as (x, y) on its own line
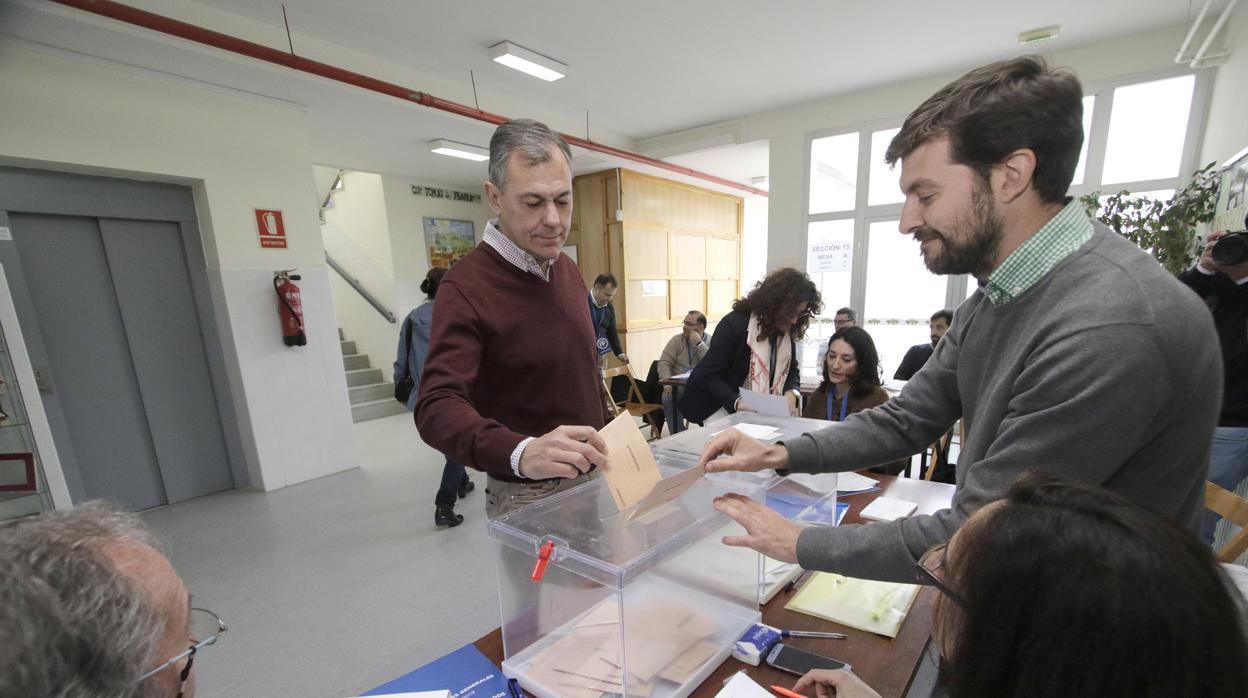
(938, 453)
(633, 402)
(1233, 508)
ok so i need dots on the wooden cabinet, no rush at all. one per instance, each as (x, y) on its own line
(674, 247)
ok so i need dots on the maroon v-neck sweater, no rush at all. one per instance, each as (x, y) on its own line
(511, 356)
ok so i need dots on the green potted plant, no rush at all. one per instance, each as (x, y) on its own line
(1165, 229)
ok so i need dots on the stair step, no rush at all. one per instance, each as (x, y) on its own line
(376, 409)
(354, 361)
(370, 392)
(363, 376)
(348, 347)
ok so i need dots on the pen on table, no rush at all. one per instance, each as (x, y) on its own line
(796, 580)
(786, 692)
(514, 686)
(812, 633)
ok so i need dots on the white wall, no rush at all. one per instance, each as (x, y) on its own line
(377, 216)
(788, 128)
(356, 234)
(1226, 130)
(405, 212)
(237, 153)
(754, 242)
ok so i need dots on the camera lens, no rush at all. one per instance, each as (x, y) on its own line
(1231, 249)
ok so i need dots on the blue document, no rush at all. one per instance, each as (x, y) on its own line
(791, 505)
(466, 673)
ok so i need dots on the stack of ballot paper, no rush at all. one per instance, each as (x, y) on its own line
(853, 483)
(667, 642)
(877, 607)
(758, 432)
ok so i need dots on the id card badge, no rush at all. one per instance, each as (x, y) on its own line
(604, 347)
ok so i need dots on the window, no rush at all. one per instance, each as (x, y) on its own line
(1137, 136)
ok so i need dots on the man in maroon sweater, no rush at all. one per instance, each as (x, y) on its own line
(511, 385)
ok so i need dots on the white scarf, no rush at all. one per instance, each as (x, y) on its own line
(760, 360)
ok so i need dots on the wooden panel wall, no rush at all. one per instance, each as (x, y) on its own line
(685, 236)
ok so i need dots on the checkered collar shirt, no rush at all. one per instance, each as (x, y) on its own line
(512, 252)
(1053, 242)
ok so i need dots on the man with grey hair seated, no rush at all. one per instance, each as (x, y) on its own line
(92, 609)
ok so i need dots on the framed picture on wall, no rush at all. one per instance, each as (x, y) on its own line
(447, 240)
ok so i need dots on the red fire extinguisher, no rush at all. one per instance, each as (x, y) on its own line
(289, 307)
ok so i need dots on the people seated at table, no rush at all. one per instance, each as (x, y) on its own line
(851, 383)
(91, 608)
(844, 317)
(918, 354)
(681, 353)
(755, 347)
(1067, 589)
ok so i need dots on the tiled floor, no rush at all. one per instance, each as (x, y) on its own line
(333, 586)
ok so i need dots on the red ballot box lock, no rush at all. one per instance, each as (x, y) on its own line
(543, 558)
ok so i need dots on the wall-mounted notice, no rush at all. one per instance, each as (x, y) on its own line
(450, 194)
(825, 253)
(271, 228)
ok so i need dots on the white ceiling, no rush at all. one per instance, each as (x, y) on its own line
(642, 68)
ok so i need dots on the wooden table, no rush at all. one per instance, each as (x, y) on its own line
(887, 665)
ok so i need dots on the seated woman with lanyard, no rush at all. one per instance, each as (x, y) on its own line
(1066, 590)
(851, 383)
(754, 347)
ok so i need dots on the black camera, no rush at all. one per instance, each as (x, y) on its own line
(1232, 248)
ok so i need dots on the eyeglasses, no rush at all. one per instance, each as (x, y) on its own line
(203, 624)
(928, 570)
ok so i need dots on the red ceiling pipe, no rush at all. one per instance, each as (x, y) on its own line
(191, 32)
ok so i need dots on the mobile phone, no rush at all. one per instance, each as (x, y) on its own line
(795, 661)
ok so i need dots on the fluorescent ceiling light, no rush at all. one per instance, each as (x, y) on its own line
(1036, 36)
(527, 61)
(441, 146)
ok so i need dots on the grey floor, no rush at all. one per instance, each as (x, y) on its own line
(334, 586)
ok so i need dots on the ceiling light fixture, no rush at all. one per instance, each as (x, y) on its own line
(1036, 36)
(441, 146)
(527, 61)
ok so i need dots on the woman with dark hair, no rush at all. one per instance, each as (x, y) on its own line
(413, 348)
(1065, 589)
(754, 347)
(851, 383)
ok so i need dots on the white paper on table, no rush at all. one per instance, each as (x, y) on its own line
(759, 432)
(853, 482)
(892, 386)
(682, 376)
(888, 509)
(817, 482)
(774, 405)
(742, 686)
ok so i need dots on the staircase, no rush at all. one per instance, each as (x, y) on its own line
(371, 392)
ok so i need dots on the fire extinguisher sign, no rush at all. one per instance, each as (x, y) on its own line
(271, 228)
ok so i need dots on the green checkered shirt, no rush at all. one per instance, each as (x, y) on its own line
(1037, 256)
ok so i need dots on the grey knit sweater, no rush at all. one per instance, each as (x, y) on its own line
(1107, 370)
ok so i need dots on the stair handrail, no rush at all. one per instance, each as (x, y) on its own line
(359, 288)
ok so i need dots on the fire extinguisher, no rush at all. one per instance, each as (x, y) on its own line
(289, 307)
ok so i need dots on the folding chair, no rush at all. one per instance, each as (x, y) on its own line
(633, 403)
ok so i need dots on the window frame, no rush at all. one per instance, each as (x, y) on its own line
(957, 286)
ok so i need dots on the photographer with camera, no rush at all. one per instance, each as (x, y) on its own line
(1220, 277)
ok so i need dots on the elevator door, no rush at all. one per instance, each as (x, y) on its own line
(114, 304)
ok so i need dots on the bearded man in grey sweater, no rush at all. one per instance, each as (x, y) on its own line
(1079, 355)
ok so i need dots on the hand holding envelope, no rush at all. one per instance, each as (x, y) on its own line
(633, 475)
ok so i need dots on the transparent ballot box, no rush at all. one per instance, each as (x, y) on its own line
(646, 605)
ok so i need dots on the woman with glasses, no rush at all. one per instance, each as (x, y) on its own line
(1064, 589)
(755, 347)
(851, 382)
